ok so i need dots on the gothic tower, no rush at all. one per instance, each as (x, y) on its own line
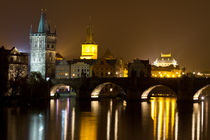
(43, 49)
(89, 47)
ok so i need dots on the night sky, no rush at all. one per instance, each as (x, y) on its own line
(130, 29)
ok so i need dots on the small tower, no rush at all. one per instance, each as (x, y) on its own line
(43, 49)
(89, 47)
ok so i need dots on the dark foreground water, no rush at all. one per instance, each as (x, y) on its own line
(66, 119)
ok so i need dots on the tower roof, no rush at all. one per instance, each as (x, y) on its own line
(108, 55)
(89, 36)
(43, 25)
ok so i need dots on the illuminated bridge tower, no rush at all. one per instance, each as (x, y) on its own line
(89, 47)
(43, 49)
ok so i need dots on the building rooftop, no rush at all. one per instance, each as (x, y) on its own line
(165, 60)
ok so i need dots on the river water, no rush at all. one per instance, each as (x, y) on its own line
(68, 119)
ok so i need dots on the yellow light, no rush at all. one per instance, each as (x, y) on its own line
(89, 51)
(165, 55)
(125, 73)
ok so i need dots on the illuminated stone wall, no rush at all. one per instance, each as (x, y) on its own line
(43, 49)
(38, 53)
(50, 56)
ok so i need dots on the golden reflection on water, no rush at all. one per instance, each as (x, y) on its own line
(89, 123)
(163, 116)
(109, 120)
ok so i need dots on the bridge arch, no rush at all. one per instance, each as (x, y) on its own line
(97, 91)
(54, 89)
(202, 93)
(158, 91)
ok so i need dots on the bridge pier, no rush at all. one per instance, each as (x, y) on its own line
(132, 94)
(185, 91)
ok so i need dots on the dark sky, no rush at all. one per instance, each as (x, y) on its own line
(130, 29)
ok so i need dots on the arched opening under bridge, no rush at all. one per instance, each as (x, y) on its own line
(158, 91)
(108, 89)
(61, 89)
(202, 93)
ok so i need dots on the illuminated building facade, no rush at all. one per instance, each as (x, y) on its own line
(108, 66)
(81, 67)
(89, 47)
(62, 69)
(13, 64)
(43, 49)
(166, 67)
(139, 68)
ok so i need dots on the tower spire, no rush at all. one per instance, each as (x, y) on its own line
(43, 25)
(89, 37)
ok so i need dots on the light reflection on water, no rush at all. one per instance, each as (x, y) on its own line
(67, 119)
(163, 116)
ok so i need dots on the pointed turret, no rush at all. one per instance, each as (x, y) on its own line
(43, 26)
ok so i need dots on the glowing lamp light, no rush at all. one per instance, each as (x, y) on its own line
(111, 89)
(94, 96)
(124, 103)
(202, 98)
(47, 78)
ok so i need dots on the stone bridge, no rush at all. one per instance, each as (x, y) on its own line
(184, 88)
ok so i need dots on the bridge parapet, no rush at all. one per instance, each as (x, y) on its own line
(185, 88)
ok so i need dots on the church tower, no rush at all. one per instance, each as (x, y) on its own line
(43, 49)
(89, 47)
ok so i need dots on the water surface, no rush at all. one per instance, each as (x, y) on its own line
(68, 119)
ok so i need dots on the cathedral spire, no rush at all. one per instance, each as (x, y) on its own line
(89, 37)
(43, 25)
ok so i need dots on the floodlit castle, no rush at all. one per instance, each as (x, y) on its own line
(43, 49)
